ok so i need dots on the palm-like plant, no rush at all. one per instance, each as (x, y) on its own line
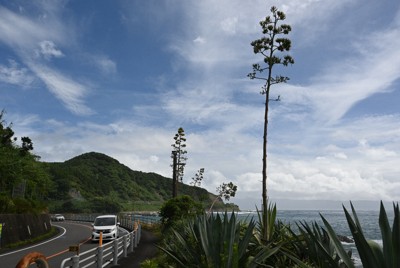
(371, 254)
(325, 250)
(279, 247)
(210, 241)
(320, 247)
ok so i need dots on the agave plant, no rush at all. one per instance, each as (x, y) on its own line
(279, 250)
(325, 249)
(371, 254)
(320, 247)
(210, 241)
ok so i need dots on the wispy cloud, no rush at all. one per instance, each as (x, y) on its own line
(34, 40)
(363, 74)
(68, 91)
(24, 33)
(104, 64)
(16, 75)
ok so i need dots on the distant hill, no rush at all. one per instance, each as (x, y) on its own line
(95, 182)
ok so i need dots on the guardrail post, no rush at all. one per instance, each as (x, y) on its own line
(75, 261)
(136, 238)
(125, 245)
(131, 241)
(139, 232)
(100, 257)
(115, 258)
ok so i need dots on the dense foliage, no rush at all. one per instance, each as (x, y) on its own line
(179, 209)
(96, 182)
(24, 182)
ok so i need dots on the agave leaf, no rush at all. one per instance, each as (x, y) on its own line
(386, 237)
(378, 254)
(321, 255)
(271, 220)
(299, 263)
(230, 237)
(396, 236)
(366, 255)
(172, 255)
(247, 236)
(182, 256)
(357, 222)
(314, 248)
(337, 244)
(263, 254)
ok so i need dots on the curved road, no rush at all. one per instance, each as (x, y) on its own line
(55, 249)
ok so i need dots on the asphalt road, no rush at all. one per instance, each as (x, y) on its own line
(55, 249)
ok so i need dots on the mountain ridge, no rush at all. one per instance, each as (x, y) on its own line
(96, 182)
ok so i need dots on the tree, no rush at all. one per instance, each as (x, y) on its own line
(22, 177)
(177, 209)
(198, 178)
(269, 46)
(6, 133)
(226, 191)
(27, 145)
(179, 159)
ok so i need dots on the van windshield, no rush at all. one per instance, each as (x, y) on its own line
(104, 221)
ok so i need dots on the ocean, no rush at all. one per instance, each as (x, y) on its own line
(336, 218)
(369, 222)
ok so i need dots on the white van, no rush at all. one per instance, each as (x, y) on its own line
(108, 225)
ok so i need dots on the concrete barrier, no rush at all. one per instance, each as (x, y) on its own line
(21, 227)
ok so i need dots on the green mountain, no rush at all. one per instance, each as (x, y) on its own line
(95, 182)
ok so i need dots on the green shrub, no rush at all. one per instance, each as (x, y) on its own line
(149, 264)
(179, 209)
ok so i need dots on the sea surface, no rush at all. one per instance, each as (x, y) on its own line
(369, 221)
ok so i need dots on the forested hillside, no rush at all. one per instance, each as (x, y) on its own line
(97, 182)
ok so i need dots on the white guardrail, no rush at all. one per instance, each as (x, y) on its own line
(107, 253)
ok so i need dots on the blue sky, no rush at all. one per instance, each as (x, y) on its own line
(120, 77)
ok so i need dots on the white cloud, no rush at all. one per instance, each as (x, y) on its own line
(13, 74)
(47, 49)
(229, 25)
(199, 40)
(104, 64)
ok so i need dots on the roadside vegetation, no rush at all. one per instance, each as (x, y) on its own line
(24, 182)
(192, 238)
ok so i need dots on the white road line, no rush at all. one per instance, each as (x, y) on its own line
(47, 241)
